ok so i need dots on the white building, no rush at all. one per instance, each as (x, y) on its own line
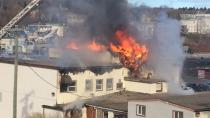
(87, 84)
(196, 23)
(7, 45)
(32, 90)
(44, 82)
(150, 86)
(185, 106)
(191, 25)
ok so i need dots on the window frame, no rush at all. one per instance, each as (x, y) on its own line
(174, 112)
(137, 110)
(91, 86)
(112, 84)
(75, 86)
(100, 84)
(159, 83)
(117, 86)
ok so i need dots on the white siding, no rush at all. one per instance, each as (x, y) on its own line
(32, 92)
(143, 87)
(115, 74)
(157, 109)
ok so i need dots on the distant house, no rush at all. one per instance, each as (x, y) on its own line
(113, 105)
(196, 23)
(182, 106)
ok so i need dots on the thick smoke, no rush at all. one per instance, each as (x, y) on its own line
(166, 54)
(92, 20)
(102, 16)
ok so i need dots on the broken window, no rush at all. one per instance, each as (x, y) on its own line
(99, 85)
(88, 85)
(109, 84)
(66, 84)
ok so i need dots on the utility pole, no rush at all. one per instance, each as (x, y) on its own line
(15, 78)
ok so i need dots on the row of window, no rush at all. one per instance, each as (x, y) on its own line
(99, 85)
(141, 111)
(72, 87)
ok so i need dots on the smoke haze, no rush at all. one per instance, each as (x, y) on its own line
(166, 54)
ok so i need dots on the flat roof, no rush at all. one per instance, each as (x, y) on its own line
(143, 80)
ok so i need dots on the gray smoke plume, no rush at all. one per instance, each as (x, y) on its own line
(89, 20)
(166, 53)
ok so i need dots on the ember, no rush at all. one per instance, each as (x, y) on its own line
(132, 54)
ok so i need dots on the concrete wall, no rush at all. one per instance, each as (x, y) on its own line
(143, 87)
(157, 109)
(32, 92)
(81, 93)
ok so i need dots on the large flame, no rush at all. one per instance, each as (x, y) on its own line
(132, 54)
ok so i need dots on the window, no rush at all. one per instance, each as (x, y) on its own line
(105, 114)
(119, 85)
(140, 110)
(109, 84)
(99, 85)
(197, 114)
(177, 114)
(72, 87)
(159, 87)
(88, 85)
(65, 82)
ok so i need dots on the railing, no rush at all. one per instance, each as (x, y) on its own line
(17, 18)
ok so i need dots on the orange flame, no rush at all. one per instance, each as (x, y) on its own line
(132, 54)
(95, 47)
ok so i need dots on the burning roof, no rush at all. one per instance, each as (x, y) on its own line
(132, 54)
(52, 64)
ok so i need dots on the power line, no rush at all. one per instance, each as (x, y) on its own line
(50, 83)
(40, 77)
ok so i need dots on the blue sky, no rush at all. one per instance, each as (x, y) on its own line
(172, 3)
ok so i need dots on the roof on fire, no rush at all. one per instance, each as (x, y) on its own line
(54, 64)
(119, 100)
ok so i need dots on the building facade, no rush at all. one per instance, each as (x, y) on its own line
(32, 90)
(196, 23)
